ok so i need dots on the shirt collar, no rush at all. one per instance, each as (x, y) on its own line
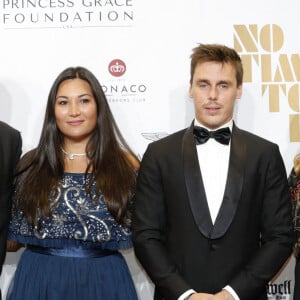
(228, 124)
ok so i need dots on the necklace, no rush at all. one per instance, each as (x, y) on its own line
(72, 155)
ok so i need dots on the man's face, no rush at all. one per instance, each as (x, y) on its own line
(214, 91)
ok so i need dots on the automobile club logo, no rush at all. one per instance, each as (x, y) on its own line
(117, 67)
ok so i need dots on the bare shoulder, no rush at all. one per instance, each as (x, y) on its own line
(133, 160)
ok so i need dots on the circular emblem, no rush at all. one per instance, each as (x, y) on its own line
(117, 67)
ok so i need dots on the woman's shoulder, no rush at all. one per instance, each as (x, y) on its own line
(133, 160)
(29, 154)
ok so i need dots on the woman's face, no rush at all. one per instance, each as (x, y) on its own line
(75, 110)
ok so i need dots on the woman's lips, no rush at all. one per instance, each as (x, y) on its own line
(75, 123)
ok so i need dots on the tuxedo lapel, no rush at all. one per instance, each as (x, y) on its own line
(195, 187)
(194, 184)
(233, 186)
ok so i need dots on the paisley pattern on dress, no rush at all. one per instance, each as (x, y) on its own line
(75, 218)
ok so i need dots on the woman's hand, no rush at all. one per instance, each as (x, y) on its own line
(12, 246)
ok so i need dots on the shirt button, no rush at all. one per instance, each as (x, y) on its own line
(213, 247)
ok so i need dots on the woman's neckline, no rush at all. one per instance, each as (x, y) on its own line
(76, 173)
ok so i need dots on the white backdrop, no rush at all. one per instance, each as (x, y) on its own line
(151, 41)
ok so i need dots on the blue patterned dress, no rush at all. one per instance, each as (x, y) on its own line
(74, 255)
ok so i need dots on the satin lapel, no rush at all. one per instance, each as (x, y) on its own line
(194, 184)
(234, 184)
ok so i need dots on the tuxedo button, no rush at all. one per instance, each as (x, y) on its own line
(213, 247)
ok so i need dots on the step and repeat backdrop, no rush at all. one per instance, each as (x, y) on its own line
(139, 50)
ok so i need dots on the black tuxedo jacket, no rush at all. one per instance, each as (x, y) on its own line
(10, 151)
(174, 237)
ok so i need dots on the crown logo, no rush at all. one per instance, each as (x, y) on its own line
(117, 67)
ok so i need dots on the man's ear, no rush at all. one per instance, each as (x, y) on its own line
(239, 92)
(190, 93)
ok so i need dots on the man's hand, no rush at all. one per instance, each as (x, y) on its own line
(201, 296)
(223, 295)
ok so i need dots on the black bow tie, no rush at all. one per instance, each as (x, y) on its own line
(221, 135)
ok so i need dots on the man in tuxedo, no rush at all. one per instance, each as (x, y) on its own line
(10, 151)
(212, 213)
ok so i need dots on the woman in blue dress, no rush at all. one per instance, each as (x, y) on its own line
(71, 207)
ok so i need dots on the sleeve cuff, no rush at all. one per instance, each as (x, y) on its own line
(185, 295)
(230, 290)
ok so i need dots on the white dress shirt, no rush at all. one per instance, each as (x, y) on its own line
(213, 158)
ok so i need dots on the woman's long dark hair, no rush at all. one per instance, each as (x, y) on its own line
(40, 170)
